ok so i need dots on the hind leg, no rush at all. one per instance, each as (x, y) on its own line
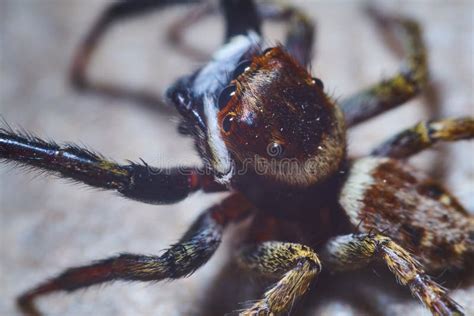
(356, 250)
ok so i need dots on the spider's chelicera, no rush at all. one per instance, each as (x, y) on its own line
(269, 135)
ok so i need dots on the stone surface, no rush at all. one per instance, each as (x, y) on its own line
(48, 224)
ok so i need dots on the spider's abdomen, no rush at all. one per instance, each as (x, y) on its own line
(382, 195)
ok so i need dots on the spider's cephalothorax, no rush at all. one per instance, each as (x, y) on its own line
(271, 137)
(267, 127)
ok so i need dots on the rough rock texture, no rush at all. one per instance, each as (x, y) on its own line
(48, 224)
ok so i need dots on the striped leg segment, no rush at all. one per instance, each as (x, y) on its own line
(424, 135)
(194, 249)
(135, 181)
(353, 251)
(296, 264)
(403, 86)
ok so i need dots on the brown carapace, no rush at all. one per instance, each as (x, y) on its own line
(270, 136)
(280, 114)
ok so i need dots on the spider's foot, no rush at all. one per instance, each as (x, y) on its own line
(438, 300)
(26, 305)
(259, 309)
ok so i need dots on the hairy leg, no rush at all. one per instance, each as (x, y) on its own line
(424, 135)
(299, 38)
(114, 13)
(194, 249)
(403, 86)
(353, 251)
(135, 181)
(298, 264)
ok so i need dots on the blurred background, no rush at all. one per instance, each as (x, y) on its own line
(48, 224)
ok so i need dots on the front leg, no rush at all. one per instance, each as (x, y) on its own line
(298, 264)
(180, 260)
(400, 88)
(135, 181)
(357, 250)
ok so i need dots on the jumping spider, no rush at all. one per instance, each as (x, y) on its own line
(269, 135)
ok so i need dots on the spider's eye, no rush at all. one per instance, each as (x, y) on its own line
(226, 95)
(267, 50)
(241, 68)
(319, 83)
(227, 123)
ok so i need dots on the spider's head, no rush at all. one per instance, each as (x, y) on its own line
(276, 120)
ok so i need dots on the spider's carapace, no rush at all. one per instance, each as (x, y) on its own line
(281, 118)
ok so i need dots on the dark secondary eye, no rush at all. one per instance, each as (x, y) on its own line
(319, 83)
(267, 50)
(226, 95)
(227, 123)
(241, 68)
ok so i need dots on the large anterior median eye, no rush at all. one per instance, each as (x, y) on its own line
(225, 96)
